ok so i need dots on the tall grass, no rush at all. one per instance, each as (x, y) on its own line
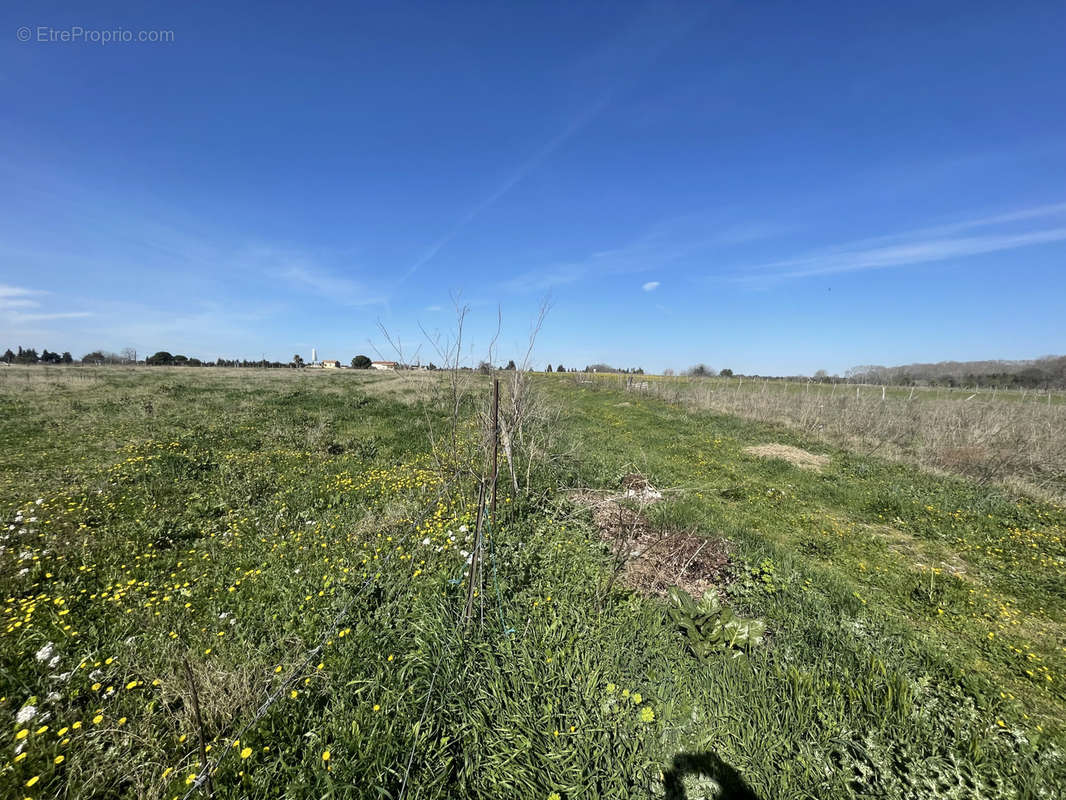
(1009, 438)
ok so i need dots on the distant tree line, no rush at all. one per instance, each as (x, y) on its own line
(613, 370)
(1048, 372)
(29, 356)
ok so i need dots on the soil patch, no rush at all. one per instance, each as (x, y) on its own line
(793, 455)
(651, 560)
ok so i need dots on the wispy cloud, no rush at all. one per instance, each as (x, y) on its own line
(650, 286)
(16, 291)
(14, 300)
(17, 318)
(613, 65)
(342, 290)
(663, 244)
(926, 245)
(16, 297)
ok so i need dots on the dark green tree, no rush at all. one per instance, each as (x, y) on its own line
(360, 362)
(26, 356)
(160, 359)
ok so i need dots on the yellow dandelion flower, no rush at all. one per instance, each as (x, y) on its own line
(246, 752)
(59, 759)
(32, 781)
(98, 719)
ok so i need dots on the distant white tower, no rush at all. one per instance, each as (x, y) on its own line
(314, 356)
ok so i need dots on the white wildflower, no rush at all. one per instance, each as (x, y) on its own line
(45, 652)
(26, 713)
(53, 662)
(426, 541)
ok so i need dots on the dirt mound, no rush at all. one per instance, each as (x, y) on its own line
(793, 455)
(650, 560)
(636, 487)
(690, 561)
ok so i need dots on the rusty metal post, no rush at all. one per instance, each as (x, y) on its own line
(199, 726)
(495, 447)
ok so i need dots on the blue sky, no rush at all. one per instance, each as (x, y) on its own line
(775, 188)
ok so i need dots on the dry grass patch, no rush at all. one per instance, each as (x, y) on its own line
(919, 554)
(796, 456)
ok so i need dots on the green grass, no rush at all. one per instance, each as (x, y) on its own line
(170, 498)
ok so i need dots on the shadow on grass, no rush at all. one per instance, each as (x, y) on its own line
(707, 765)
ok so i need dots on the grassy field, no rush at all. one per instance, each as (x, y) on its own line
(292, 547)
